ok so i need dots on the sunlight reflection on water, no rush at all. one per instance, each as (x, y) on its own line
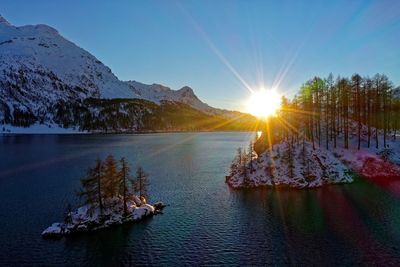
(206, 223)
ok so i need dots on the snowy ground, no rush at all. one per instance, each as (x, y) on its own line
(89, 218)
(322, 166)
(372, 162)
(319, 167)
(38, 129)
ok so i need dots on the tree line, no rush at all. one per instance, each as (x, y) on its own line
(111, 178)
(328, 108)
(331, 113)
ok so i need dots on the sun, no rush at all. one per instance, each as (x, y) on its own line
(264, 103)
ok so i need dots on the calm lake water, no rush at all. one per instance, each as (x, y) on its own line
(206, 223)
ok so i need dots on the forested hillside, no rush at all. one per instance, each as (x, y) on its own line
(138, 115)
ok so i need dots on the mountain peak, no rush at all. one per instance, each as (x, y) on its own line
(4, 21)
(187, 88)
(187, 91)
(45, 29)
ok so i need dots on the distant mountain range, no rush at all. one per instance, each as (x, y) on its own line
(47, 79)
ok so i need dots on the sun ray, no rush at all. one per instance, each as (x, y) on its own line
(264, 103)
(287, 124)
(213, 48)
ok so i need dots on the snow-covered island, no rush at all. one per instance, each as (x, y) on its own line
(299, 165)
(279, 167)
(328, 134)
(88, 217)
(110, 199)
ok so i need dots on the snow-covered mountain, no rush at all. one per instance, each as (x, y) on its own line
(41, 70)
(42, 47)
(157, 92)
(39, 67)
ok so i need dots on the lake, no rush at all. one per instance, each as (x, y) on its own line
(206, 223)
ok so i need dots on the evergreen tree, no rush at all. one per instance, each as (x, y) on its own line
(356, 79)
(239, 155)
(269, 171)
(67, 214)
(251, 157)
(244, 168)
(124, 178)
(377, 84)
(288, 158)
(141, 183)
(92, 186)
(111, 177)
(368, 92)
(236, 163)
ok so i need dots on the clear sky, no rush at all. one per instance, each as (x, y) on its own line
(220, 47)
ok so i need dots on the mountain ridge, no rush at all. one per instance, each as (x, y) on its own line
(41, 73)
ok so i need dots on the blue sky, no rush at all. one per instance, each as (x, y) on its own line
(216, 47)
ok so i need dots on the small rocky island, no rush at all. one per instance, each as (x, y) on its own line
(111, 196)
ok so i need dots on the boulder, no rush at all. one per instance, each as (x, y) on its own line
(55, 229)
(159, 206)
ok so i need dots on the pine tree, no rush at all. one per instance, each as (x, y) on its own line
(269, 171)
(318, 85)
(368, 88)
(67, 214)
(124, 178)
(111, 177)
(356, 79)
(244, 168)
(92, 186)
(334, 114)
(305, 162)
(327, 109)
(236, 162)
(377, 107)
(250, 156)
(239, 155)
(141, 183)
(288, 157)
(344, 95)
(386, 92)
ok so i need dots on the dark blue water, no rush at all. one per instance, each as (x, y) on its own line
(206, 222)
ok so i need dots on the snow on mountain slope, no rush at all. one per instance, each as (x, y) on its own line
(158, 92)
(41, 72)
(42, 47)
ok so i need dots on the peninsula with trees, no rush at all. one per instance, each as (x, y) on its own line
(111, 197)
(331, 131)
